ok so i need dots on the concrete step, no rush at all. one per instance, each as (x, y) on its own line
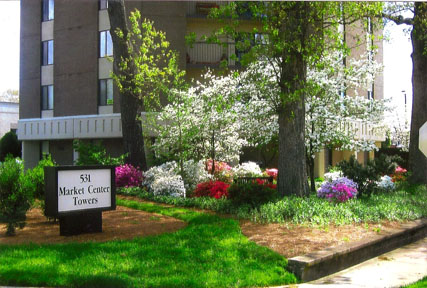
(318, 264)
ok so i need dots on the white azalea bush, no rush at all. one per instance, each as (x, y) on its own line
(194, 173)
(332, 176)
(164, 180)
(386, 183)
(247, 169)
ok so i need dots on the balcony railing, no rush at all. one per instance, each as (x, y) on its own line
(202, 9)
(202, 53)
(364, 131)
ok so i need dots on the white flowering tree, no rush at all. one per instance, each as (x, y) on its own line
(328, 111)
(202, 122)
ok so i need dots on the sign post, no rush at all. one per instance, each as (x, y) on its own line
(77, 195)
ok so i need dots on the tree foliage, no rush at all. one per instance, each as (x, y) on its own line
(296, 35)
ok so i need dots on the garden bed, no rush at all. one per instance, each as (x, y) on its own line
(292, 240)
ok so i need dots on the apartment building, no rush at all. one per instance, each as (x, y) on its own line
(66, 91)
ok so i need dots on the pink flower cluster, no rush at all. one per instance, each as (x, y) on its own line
(219, 166)
(272, 172)
(399, 174)
(128, 176)
(342, 192)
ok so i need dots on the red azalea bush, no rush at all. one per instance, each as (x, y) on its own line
(214, 189)
(128, 176)
(266, 183)
(254, 193)
(399, 175)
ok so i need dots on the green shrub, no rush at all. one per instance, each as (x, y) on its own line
(367, 176)
(253, 194)
(36, 176)
(9, 144)
(15, 194)
(95, 154)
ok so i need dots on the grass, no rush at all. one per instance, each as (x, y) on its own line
(419, 284)
(406, 203)
(210, 252)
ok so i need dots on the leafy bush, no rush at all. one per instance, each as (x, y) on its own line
(340, 189)
(128, 176)
(93, 154)
(365, 177)
(368, 176)
(15, 194)
(9, 144)
(164, 180)
(214, 189)
(253, 194)
(36, 176)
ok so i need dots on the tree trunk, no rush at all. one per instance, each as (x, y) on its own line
(133, 141)
(417, 160)
(292, 176)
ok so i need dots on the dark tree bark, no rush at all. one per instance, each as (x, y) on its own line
(292, 178)
(130, 104)
(417, 160)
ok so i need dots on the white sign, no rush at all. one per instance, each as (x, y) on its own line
(423, 139)
(84, 189)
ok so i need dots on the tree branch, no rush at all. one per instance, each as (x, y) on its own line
(398, 19)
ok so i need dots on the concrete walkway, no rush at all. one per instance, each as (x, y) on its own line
(396, 268)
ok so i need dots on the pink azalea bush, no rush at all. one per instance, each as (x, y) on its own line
(128, 176)
(272, 172)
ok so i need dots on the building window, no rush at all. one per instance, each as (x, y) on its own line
(105, 44)
(47, 52)
(47, 97)
(103, 4)
(48, 7)
(105, 92)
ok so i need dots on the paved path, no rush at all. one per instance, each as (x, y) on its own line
(397, 268)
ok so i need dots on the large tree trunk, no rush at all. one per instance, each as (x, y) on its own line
(417, 160)
(292, 177)
(133, 141)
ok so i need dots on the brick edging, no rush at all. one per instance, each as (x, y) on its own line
(318, 264)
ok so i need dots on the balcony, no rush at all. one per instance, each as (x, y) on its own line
(202, 9)
(203, 54)
(364, 131)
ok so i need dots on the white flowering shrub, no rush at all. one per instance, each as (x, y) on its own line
(194, 173)
(164, 180)
(332, 176)
(247, 169)
(386, 183)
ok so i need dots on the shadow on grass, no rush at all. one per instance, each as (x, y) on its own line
(209, 252)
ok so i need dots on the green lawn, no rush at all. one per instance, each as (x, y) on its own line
(419, 284)
(210, 252)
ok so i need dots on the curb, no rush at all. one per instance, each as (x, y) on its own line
(318, 264)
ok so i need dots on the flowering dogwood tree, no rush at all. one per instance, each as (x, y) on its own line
(328, 111)
(202, 122)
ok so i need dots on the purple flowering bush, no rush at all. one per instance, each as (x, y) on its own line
(128, 176)
(340, 189)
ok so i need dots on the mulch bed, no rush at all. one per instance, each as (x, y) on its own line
(123, 223)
